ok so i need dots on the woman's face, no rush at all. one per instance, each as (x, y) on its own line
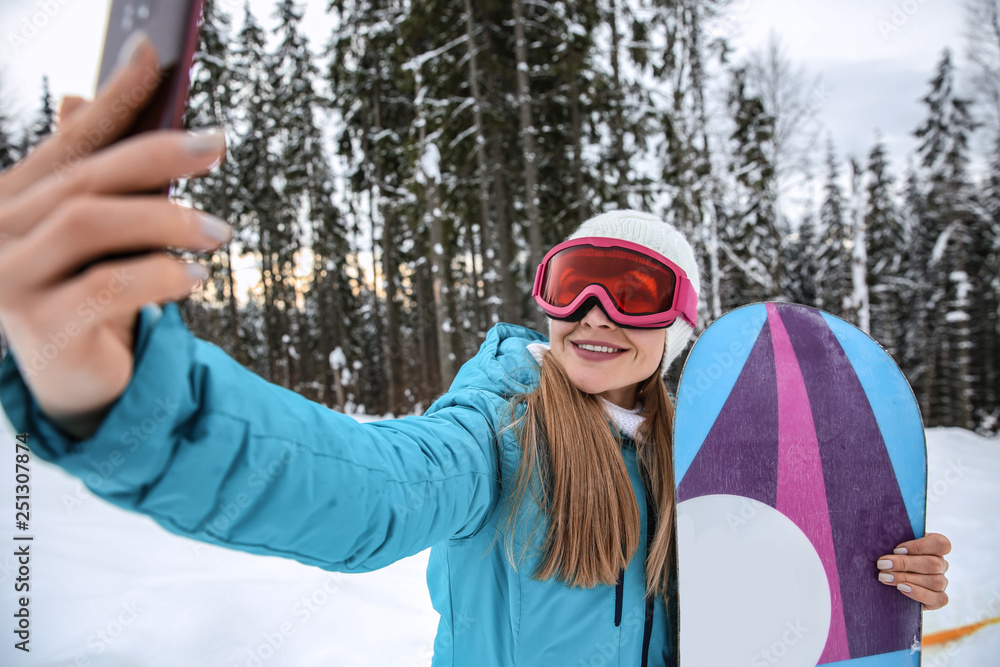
(614, 375)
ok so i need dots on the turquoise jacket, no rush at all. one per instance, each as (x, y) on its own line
(211, 451)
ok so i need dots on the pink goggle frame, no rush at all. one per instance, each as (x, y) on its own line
(609, 263)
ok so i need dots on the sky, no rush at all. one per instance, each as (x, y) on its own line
(873, 58)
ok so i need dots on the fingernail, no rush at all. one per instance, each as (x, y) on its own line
(904, 588)
(205, 141)
(215, 229)
(884, 564)
(901, 550)
(886, 578)
(132, 48)
(197, 271)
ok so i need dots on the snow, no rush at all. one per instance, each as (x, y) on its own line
(963, 502)
(418, 61)
(111, 587)
(337, 359)
(941, 244)
(430, 162)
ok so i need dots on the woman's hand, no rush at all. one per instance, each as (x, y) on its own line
(68, 320)
(917, 569)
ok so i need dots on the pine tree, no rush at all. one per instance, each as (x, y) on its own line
(307, 215)
(802, 251)
(211, 103)
(667, 109)
(834, 270)
(372, 95)
(886, 252)
(792, 100)
(750, 239)
(801, 285)
(45, 122)
(985, 264)
(527, 139)
(255, 200)
(9, 153)
(8, 150)
(941, 255)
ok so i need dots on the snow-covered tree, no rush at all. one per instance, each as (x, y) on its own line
(940, 259)
(211, 103)
(886, 252)
(8, 150)
(750, 238)
(45, 122)
(836, 242)
(255, 197)
(373, 97)
(793, 100)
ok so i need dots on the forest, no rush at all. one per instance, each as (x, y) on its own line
(393, 188)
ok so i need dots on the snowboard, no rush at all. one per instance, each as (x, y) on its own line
(799, 459)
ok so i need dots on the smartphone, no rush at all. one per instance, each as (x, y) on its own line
(172, 26)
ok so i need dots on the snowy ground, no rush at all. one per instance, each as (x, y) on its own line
(112, 588)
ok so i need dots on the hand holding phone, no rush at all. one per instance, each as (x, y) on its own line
(74, 199)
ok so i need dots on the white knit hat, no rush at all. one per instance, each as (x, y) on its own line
(649, 231)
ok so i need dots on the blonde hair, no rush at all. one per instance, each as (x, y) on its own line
(571, 460)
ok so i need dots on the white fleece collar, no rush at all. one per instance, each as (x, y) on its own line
(626, 421)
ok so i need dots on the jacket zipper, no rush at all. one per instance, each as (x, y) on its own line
(647, 631)
(619, 589)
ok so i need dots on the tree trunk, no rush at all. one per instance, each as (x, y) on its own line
(617, 117)
(714, 268)
(574, 114)
(270, 315)
(527, 144)
(510, 302)
(393, 351)
(378, 401)
(427, 333)
(439, 259)
(482, 171)
(479, 317)
(859, 255)
(234, 311)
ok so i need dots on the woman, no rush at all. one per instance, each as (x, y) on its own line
(543, 519)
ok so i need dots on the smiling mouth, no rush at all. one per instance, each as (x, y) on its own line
(598, 348)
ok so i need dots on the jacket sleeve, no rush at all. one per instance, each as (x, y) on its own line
(212, 451)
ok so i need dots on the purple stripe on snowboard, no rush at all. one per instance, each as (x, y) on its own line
(870, 518)
(801, 489)
(725, 463)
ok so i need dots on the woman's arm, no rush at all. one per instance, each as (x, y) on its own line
(212, 451)
(153, 419)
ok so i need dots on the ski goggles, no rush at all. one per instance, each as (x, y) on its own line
(635, 286)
